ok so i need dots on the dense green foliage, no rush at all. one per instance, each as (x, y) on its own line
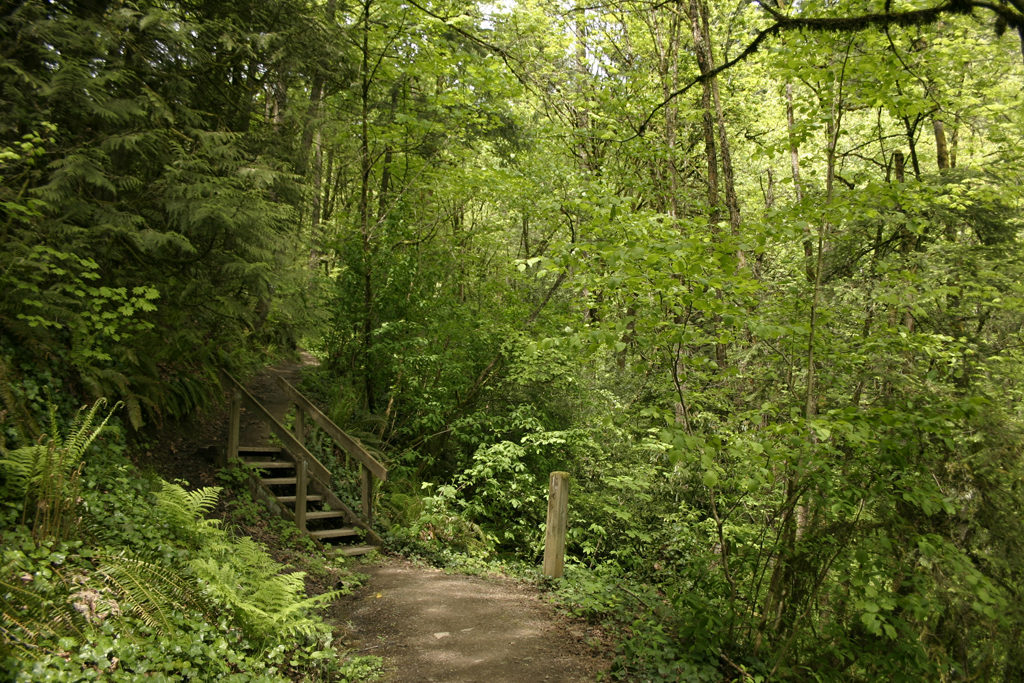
(768, 317)
(147, 207)
(778, 354)
(110, 575)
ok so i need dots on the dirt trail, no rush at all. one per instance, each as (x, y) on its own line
(254, 431)
(432, 627)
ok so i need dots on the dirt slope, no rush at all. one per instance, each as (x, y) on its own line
(187, 450)
(254, 431)
(432, 627)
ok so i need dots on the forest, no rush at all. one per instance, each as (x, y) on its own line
(750, 272)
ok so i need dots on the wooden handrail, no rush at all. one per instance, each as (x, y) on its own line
(291, 444)
(351, 446)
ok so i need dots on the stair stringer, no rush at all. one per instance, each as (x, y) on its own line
(262, 493)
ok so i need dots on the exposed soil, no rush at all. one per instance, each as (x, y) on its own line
(188, 450)
(263, 387)
(430, 626)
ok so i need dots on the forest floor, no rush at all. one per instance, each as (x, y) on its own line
(428, 626)
(433, 627)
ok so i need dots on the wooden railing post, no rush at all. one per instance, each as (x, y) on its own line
(367, 478)
(558, 520)
(234, 421)
(300, 425)
(301, 481)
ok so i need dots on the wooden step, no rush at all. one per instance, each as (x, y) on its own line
(279, 480)
(333, 533)
(269, 464)
(324, 514)
(353, 550)
(259, 449)
(291, 499)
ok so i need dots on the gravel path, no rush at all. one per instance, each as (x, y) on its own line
(432, 627)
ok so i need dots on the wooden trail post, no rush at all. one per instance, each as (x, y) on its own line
(300, 425)
(558, 518)
(301, 470)
(234, 422)
(367, 487)
(301, 482)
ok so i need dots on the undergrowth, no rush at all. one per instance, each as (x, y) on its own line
(109, 575)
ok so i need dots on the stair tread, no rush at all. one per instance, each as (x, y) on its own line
(269, 464)
(324, 514)
(271, 481)
(353, 550)
(259, 449)
(291, 499)
(333, 533)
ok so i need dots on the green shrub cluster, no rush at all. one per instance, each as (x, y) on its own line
(108, 575)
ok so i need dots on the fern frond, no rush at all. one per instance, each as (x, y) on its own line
(185, 510)
(18, 468)
(28, 616)
(265, 600)
(152, 592)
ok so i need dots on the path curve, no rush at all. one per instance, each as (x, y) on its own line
(433, 627)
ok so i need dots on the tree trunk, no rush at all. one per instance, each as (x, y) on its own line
(666, 41)
(714, 119)
(312, 140)
(769, 191)
(366, 167)
(710, 148)
(732, 201)
(794, 160)
(954, 137)
(911, 129)
(526, 234)
(941, 150)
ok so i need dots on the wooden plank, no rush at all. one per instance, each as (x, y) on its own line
(259, 449)
(300, 494)
(293, 447)
(334, 533)
(558, 518)
(325, 514)
(234, 422)
(309, 499)
(367, 491)
(353, 550)
(269, 464)
(335, 504)
(279, 481)
(347, 443)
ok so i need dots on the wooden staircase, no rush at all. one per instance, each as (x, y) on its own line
(297, 486)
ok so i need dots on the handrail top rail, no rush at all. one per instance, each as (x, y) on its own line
(292, 445)
(348, 443)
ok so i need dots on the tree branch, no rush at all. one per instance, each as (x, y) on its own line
(862, 22)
